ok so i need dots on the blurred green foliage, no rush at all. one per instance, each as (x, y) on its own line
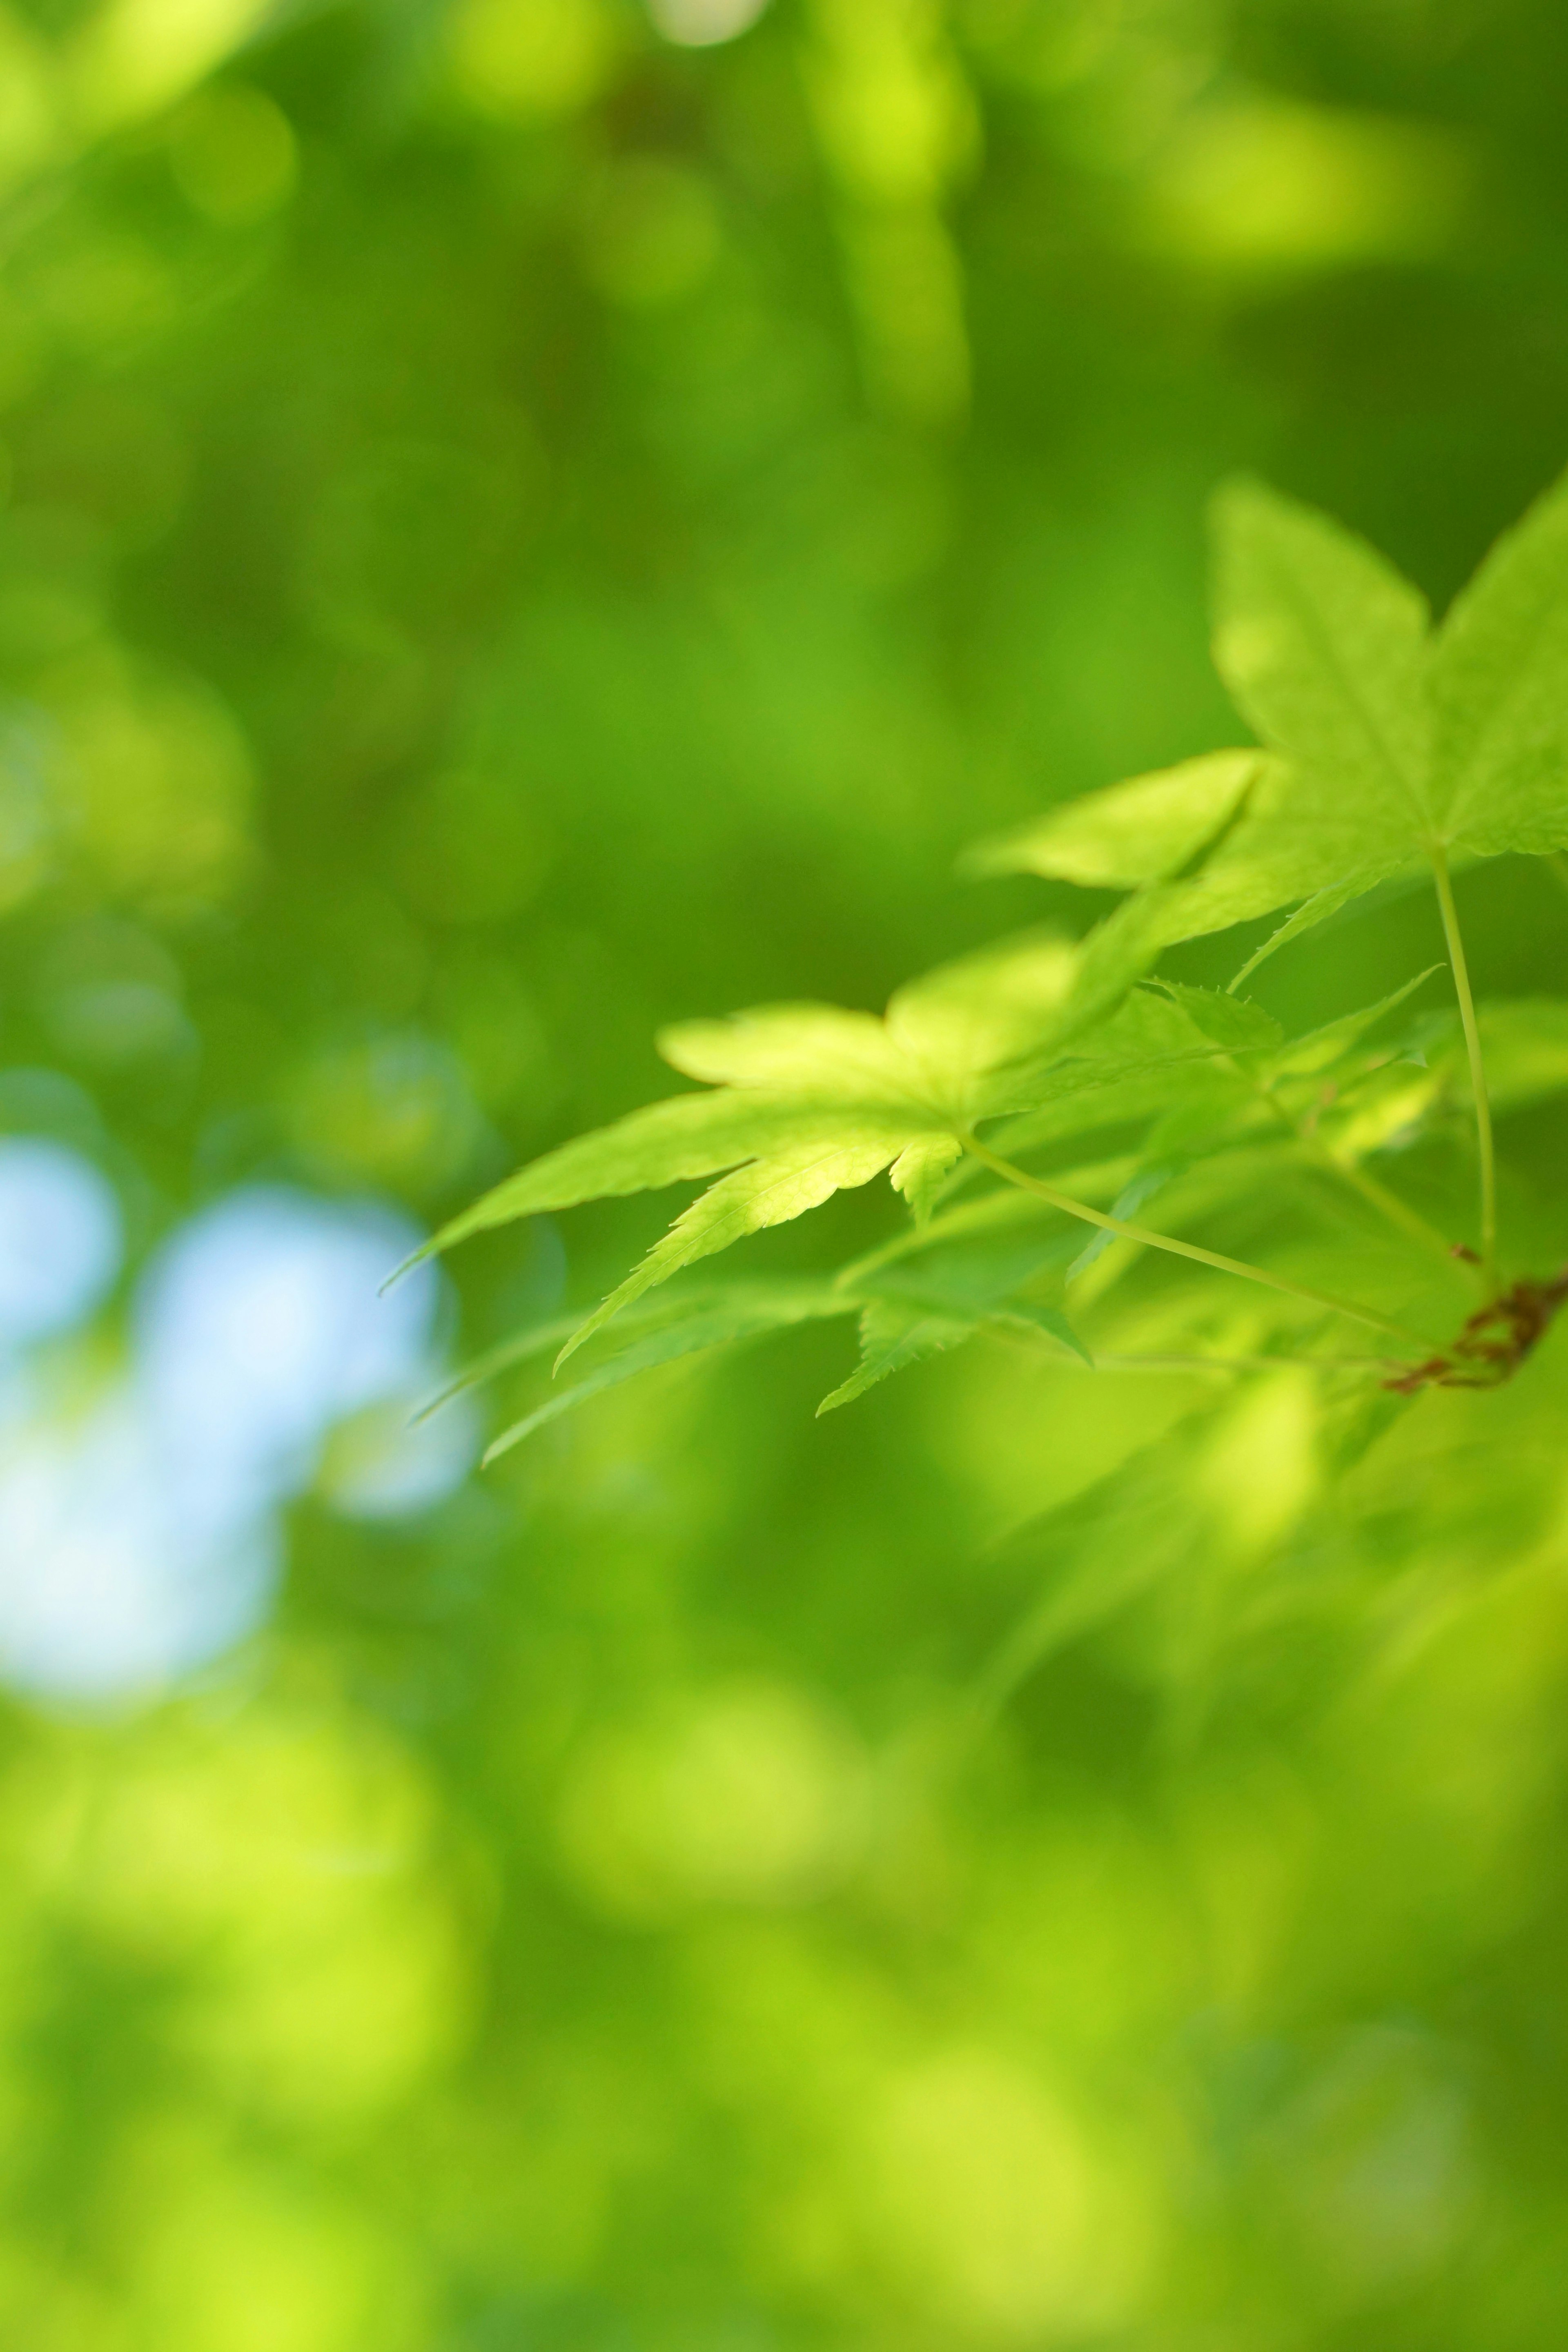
(527, 521)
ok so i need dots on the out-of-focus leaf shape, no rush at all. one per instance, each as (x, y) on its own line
(690, 1326)
(1369, 1099)
(1325, 904)
(1319, 1051)
(977, 1279)
(974, 1273)
(1127, 1204)
(954, 1295)
(906, 1330)
(1526, 1046)
(1233, 1022)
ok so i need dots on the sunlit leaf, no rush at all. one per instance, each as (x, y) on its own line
(667, 1143)
(806, 1101)
(1388, 747)
(1499, 692)
(1323, 647)
(1144, 831)
(919, 1170)
(770, 1191)
(893, 1337)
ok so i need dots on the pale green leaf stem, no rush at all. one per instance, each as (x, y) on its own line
(1477, 1066)
(1379, 1364)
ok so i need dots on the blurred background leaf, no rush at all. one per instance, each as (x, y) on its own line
(527, 521)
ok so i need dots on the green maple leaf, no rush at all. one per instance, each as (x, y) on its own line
(922, 1306)
(1384, 745)
(893, 1337)
(805, 1100)
(1383, 742)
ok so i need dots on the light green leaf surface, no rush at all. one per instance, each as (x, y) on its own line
(933, 1054)
(920, 1169)
(1323, 647)
(891, 1337)
(1322, 907)
(1144, 831)
(1500, 693)
(1318, 1053)
(799, 1052)
(669, 1142)
(1385, 747)
(770, 1191)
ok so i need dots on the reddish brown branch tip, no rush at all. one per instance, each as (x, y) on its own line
(1494, 1342)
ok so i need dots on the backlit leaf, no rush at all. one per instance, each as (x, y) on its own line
(668, 1142)
(1383, 744)
(1144, 831)
(892, 1337)
(1499, 688)
(770, 1191)
(919, 1170)
(1323, 647)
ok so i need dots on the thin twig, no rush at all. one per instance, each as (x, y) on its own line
(1149, 1239)
(1247, 1363)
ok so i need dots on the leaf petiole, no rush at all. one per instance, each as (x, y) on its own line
(1451, 932)
(1149, 1239)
